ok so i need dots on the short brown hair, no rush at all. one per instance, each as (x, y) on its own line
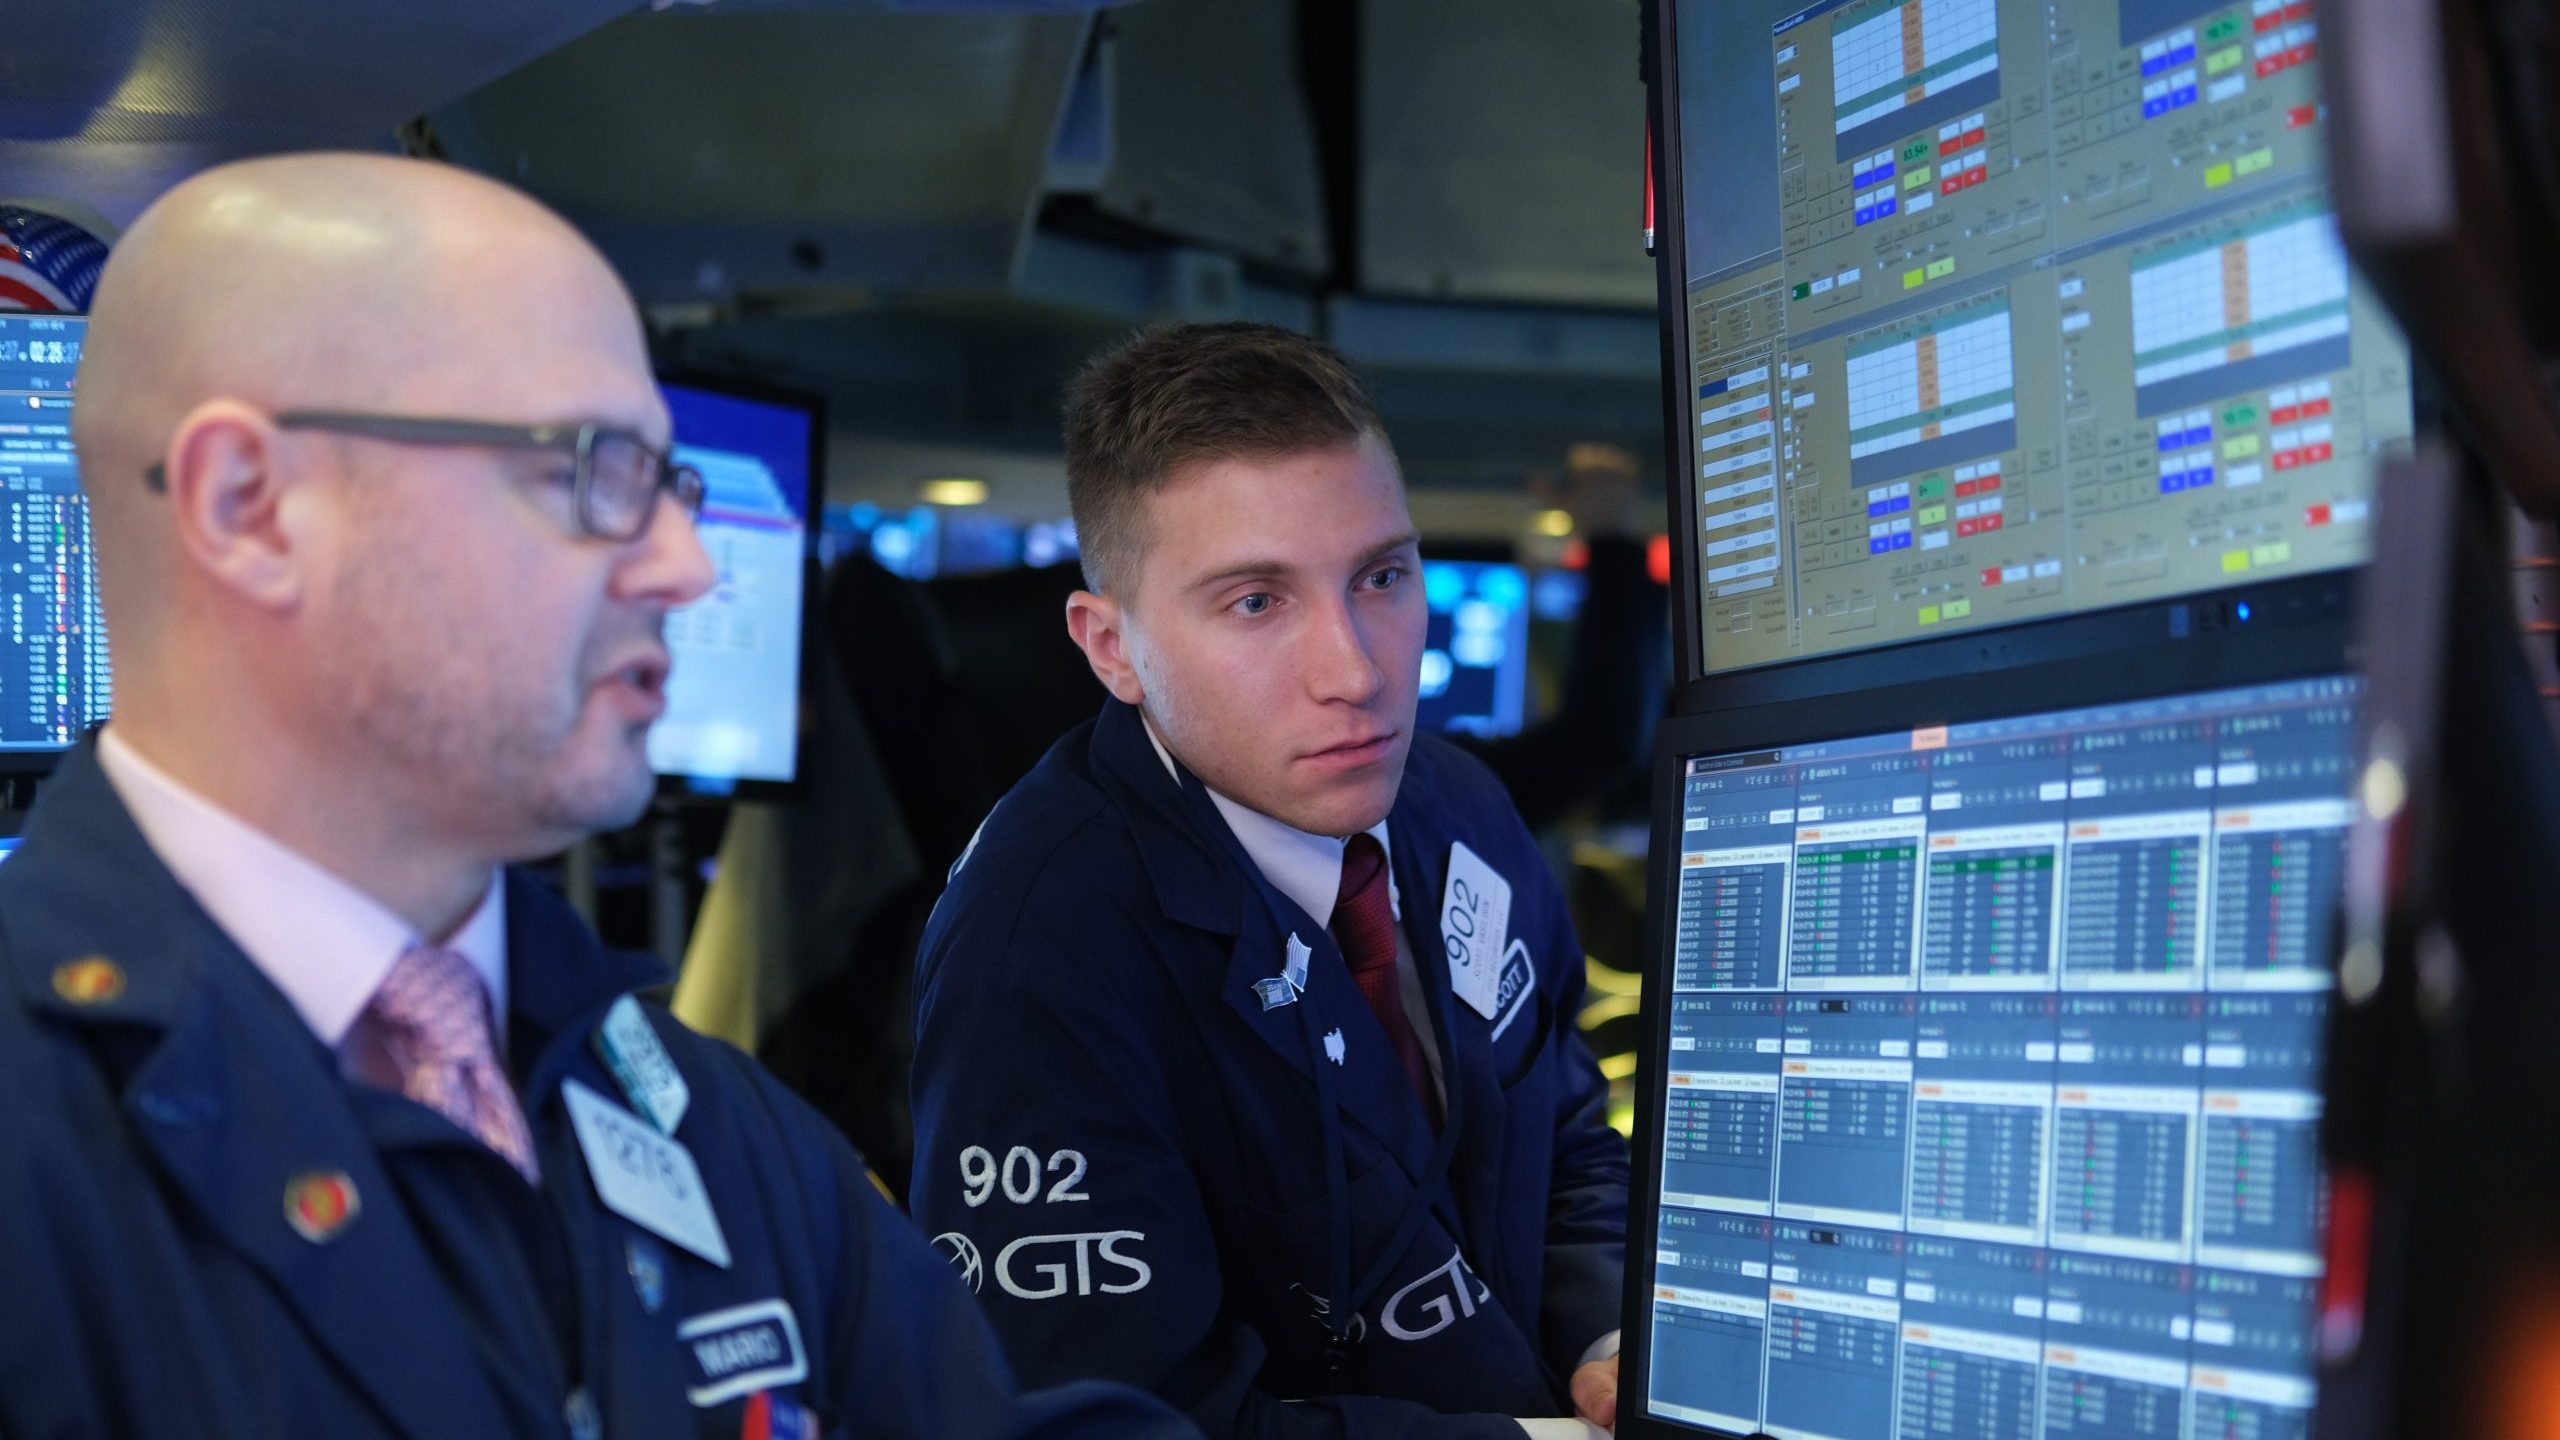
(1180, 395)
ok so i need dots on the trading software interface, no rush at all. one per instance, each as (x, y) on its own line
(2009, 308)
(733, 700)
(1475, 657)
(55, 680)
(1993, 1076)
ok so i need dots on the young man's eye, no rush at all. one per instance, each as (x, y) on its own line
(1254, 604)
(1387, 578)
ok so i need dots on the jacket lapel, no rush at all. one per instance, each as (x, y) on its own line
(1203, 879)
(1422, 838)
(236, 1101)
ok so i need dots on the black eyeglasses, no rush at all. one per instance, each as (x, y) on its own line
(619, 475)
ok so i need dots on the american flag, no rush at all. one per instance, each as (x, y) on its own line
(47, 264)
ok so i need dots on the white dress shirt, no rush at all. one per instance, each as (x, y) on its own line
(1308, 869)
(323, 942)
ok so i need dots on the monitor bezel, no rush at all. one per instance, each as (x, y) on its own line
(679, 786)
(2043, 639)
(2322, 644)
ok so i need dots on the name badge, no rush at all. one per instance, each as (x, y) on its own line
(640, 1063)
(1475, 924)
(643, 1176)
(743, 1350)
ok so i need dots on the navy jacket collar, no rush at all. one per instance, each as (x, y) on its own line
(1194, 879)
(1203, 879)
(237, 1103)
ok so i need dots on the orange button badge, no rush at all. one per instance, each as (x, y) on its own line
(319, 1204)
(89, 980)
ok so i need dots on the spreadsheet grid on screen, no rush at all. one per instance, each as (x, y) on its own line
(56, 679)
(2005, 309)
(1990, 1083)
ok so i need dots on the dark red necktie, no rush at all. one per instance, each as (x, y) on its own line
(1364, 921)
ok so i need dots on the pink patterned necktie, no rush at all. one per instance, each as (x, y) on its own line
(433, 1018)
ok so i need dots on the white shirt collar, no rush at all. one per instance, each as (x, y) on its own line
(325, 944)
(1305, 867)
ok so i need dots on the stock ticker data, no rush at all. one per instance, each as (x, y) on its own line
(1992, 1083)
(55, 679)
(2009, 308)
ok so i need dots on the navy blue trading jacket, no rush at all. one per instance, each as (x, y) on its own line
(166, 1106)
(1153, 1177)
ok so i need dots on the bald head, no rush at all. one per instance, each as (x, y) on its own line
(408, 657)
(326, 281)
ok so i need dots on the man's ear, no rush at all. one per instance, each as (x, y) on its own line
(226, 499)
(1100, 630)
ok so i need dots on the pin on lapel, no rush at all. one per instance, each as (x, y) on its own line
(1333, 1046)
(320, 1204)
(1300, 952)
(647, 1265)
(89, 980)
(1285, 987)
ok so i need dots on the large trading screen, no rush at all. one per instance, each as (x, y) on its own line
(1993, 1076)
(55, 679)
(2008, 308)
(733, 699)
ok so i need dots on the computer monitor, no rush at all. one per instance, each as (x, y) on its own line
(1982, 1090)
(975, 541)
(1475, 657)
(55, 677)
(733, 701)
(1990, 310)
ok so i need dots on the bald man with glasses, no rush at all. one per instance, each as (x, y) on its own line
(321, 1120)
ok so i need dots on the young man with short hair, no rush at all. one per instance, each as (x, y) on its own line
(1247, 1068)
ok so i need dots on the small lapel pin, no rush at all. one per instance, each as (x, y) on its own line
(1275, 992)
(648, 1267)
(1333, 1046)
(1299, 954)
(89, 980)
(319, 1204)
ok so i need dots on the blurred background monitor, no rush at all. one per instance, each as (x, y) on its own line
(928, 541)
(1475, 658)
(55, 678)
(1995, 310)
(733, 701)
